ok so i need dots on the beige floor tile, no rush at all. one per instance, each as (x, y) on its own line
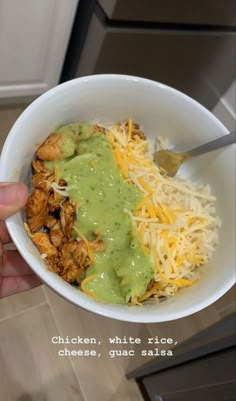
(101, 378)
(20, 302)
(30, 368)
(8, 115)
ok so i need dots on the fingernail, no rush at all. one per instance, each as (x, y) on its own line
(2, 184)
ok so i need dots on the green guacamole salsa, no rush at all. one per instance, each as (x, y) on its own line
(101, 194)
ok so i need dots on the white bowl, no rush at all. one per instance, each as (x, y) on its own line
(160, 110)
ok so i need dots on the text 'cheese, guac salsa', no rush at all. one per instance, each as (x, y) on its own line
(95, 183)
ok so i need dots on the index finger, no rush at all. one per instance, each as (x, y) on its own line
(13, 197)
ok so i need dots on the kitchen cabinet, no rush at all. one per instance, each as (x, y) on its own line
(201, 368)
(189, 46)
(201, 12)
(33, 39)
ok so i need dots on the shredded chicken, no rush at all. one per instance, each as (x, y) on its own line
(39, 167)
(44, 245)
(97, 245)
(52, 257)
(74, 260)
(36, 209)
(51, 149)
(56, 235)
(67, 217)
(51, 217)
(42, 180)
(55, 201)
(50, 221)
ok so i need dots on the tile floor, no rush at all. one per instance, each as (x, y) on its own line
(30, 367)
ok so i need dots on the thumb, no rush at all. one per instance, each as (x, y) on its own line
(13, 196)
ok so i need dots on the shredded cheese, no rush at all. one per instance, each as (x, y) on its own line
(57, 173)
(89, 249)
(85, 289)
(61, 190)
(27, 229)
(175, 221)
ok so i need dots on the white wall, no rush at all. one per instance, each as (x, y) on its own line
(34, 35)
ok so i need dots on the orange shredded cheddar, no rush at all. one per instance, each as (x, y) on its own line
(90, 251)
(85, 282)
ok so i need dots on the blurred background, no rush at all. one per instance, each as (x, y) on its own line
(187, 44)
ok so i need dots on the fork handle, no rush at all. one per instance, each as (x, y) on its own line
(215, 144)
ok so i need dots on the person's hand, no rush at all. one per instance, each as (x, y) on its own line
(15, 275)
